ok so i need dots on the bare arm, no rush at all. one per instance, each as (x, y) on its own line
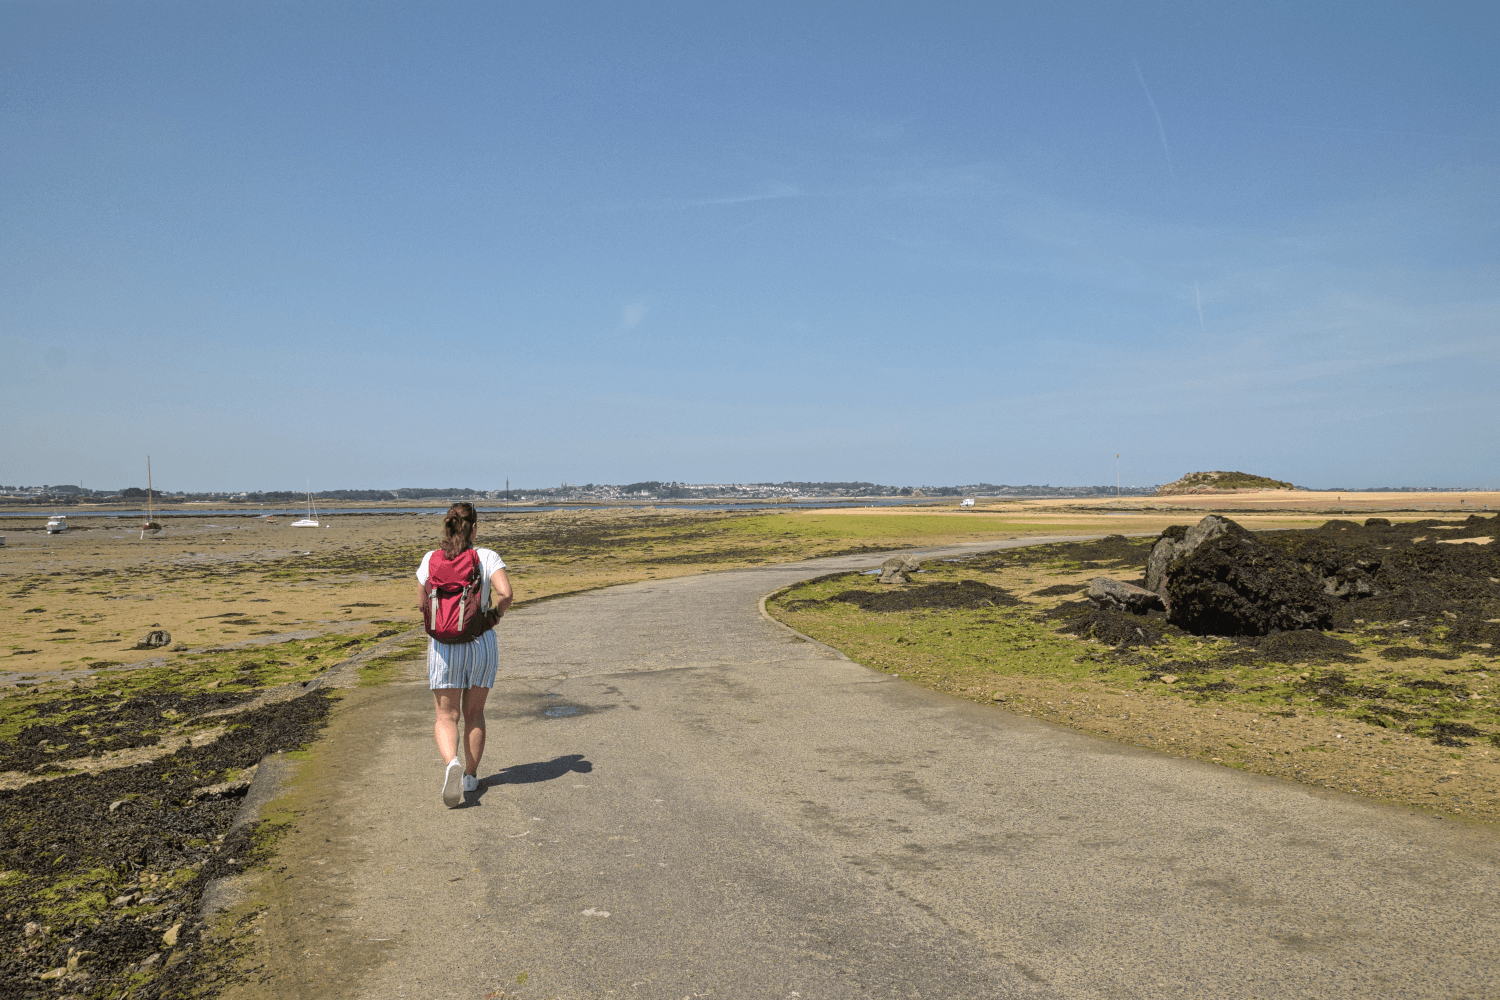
(500, 590)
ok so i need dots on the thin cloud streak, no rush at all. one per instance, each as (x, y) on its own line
(1160, 128)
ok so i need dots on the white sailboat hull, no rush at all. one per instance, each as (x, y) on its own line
(311, 520)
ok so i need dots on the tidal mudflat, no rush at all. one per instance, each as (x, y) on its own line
(122, 768)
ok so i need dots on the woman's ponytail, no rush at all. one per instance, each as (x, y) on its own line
(458, 529)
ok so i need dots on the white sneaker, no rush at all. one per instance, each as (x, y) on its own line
(471, 783)
(453, 792)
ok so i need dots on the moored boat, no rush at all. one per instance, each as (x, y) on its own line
(311, 520)
(151, 524)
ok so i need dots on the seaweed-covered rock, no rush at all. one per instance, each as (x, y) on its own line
(1166, 549)
(1107, 593)
(1176, 542)
(1222, 580)
(1332, 554)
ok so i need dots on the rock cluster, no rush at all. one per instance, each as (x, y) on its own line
(1428, 588)
(1107, 593)
(1216, 578)
(1219, 579)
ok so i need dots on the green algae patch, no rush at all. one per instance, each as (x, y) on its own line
(45, 728)
(387, 668)
(77, 896)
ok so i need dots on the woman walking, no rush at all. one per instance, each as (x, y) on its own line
(462, 655)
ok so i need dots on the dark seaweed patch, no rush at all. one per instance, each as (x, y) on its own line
(1059, 590)
(1446, 734)
(964, 594)
(1115, 552)
(1303, 646)
(1398, 653)
(1332, 689)
(1115, 628)
(1425, 685)
(83, 840)
(98, 723)
(1456, 729)
(1442, 593)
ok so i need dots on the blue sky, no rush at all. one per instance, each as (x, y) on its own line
(378, 245)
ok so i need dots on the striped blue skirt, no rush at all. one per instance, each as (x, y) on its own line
(464, 664)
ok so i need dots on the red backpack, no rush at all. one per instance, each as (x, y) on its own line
(451, 608)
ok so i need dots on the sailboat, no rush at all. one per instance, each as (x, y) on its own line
(311, 520)
(151, 524)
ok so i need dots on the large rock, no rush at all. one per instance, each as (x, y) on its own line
(1179, 541)
(896, 569)
(1107, 593)
(1221, 580)
(155, 640)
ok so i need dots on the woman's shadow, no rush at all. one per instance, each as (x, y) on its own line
(526, 774)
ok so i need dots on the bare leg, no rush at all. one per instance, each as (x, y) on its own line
(474, 699)
(445, 729)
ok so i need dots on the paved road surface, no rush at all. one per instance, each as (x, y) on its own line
(685, 800)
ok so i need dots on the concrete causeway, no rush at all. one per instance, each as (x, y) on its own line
(686, 800)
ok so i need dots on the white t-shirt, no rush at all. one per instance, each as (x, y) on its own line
(489, 562)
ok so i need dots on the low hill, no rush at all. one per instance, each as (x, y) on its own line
(1221, 482)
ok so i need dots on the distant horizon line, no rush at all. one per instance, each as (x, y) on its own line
(653, 487)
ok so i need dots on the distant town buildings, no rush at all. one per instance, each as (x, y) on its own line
(642, 492)
(645, 491)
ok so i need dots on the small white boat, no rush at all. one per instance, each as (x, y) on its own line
(966, 502)
(311, 520)
(57, 523)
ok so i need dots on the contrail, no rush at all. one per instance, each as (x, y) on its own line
(1199, 296)
(1160, 128)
